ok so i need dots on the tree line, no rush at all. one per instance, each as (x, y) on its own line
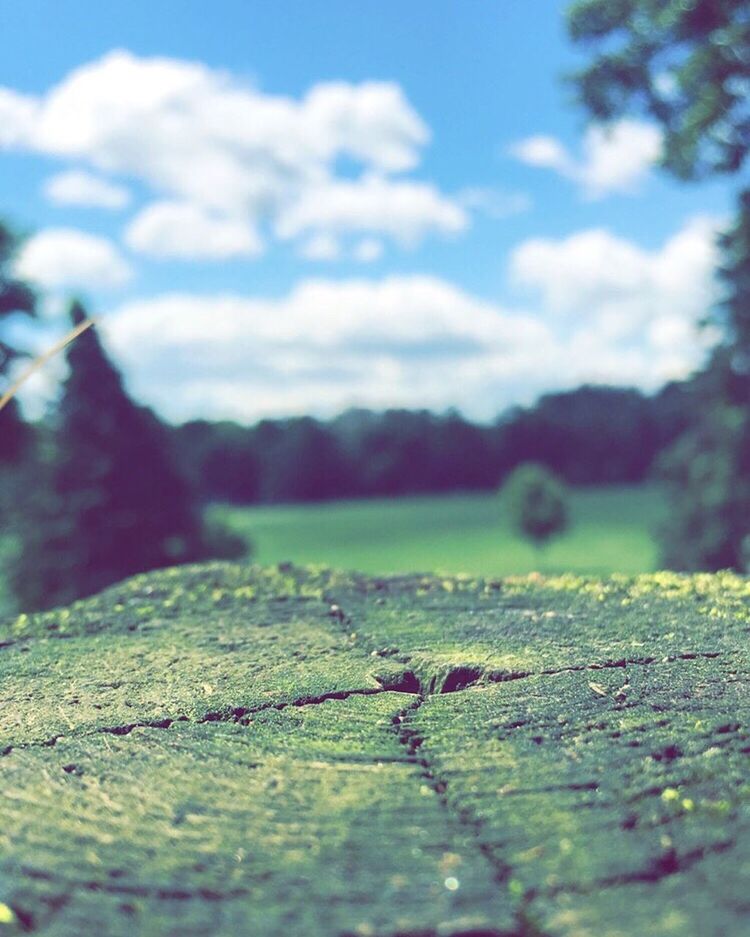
(589, 436)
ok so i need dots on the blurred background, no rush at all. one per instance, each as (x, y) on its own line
(428, 287)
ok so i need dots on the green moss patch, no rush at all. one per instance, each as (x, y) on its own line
(232, 750)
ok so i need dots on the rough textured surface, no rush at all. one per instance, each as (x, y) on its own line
(229, 750)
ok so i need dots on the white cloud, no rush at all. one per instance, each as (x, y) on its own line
(368, 250)
(188, 232)
(321, 247)
(544, 152)
(324, 346)
(17, 117)
(326, 247)
(405, 211)
(582, 271)
(615, 157)
(494, 202)
(644, 306)
(602, 310)
(372, 122)
(65, 258)
(198, 136)
(85, 189)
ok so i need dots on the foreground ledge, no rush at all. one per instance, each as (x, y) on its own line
(233, 750)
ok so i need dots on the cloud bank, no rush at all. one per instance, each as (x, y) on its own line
(233, 159)
(598, 309)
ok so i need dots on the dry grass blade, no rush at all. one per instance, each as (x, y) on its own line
(43, 359)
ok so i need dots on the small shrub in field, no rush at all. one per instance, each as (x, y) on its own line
(535, 502)
(221, 543)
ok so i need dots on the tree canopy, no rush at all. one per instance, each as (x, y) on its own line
(686, 63)
(588, 436)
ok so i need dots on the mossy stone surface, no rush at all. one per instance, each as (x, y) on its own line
(238, 751)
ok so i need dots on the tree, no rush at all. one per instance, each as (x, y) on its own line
(462, 456)
(221, 459)
(15, 297)
(591, 435)
(708, 524)
(536, 503)
(394, 453)
(301, 461)
(108, 500)
(685, 63)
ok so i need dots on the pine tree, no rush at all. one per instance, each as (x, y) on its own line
(109, 502)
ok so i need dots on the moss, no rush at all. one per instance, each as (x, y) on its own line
(235, 750)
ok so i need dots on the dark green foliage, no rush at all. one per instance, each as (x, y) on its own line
(301, 462)
(686, 63)
(221, 542)
(536, 503)
(709, 468)
(588, 436)
(732, 359)
(410, 452)
(15, 435)
(107, 500)
(15, 297)
(592, 435)
(222, 460)
(708, 522)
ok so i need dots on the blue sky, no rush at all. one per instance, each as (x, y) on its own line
(292, 207)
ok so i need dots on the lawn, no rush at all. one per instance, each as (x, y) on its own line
(611, 531)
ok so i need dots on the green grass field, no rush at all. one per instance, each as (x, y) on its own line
(611, 531)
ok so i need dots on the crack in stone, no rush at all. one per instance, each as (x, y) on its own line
(455, 678)
(128, 727)
(452, 679)
(664, 866)
(420, 679)
(501, 676)
(550, 788)
(668, 864)
(460, 932)
(237, 714)
(409, 736)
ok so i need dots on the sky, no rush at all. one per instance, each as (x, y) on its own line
(287, 208)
